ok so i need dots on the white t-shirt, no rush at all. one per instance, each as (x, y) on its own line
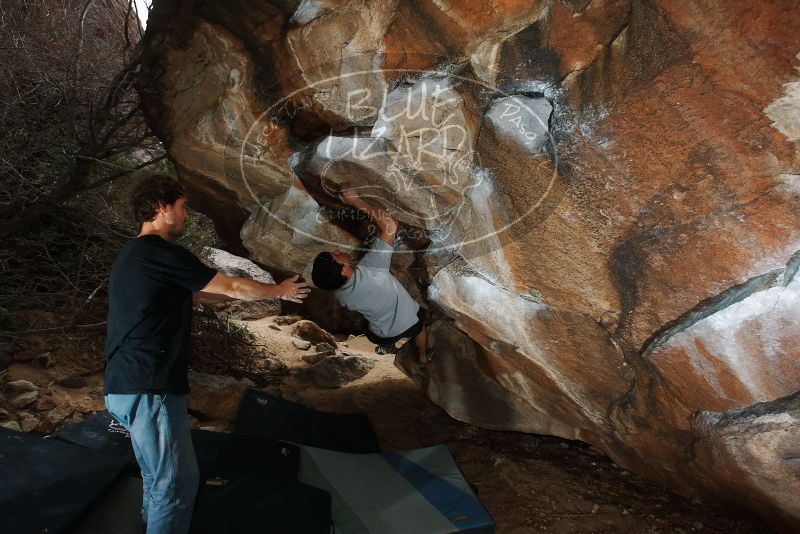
(376, 294)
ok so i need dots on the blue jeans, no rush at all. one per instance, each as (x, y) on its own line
(162, 443)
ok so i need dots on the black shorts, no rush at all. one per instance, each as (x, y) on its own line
(412, 331)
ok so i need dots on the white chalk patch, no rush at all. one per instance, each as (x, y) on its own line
(724, 349)
(785, 111)
(775, 419)
(307, 11)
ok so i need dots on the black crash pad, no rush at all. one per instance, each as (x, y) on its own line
(242, 504)
(46, 485)
(267, 415)
(260, 503)
(217, 453)
(100, 432)
(236, 455)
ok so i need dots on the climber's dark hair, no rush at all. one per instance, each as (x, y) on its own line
(152, 193)
(326, 273)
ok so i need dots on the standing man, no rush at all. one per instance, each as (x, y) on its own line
(150, 293)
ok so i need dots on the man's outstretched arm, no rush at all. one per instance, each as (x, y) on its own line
(246, 289)
(385, 222)
(201, 297)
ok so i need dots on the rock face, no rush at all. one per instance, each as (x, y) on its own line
(598, 201)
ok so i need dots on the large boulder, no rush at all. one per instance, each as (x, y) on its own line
(204, 81)
(559, 361)
(736, 351)
(292, 230)
(757, 444)
(456, 379)
(598, 200)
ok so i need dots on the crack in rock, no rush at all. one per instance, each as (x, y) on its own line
(719, 302)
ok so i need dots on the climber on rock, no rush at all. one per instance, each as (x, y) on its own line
(370, 289)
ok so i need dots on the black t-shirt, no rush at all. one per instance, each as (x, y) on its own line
(149, 316)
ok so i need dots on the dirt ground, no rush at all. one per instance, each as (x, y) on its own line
(528, 483)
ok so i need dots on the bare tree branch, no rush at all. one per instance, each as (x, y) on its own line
(71, 111)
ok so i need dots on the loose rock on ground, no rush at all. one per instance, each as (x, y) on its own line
(338, 370)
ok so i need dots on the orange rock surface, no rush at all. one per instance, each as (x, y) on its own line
(632, 283)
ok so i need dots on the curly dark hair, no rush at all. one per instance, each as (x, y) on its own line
(153, 192)
(326, 272)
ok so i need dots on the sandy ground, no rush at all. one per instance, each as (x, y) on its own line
(528, 483)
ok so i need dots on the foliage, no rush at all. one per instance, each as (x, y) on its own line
(69, 113)
(221, 345)
(74, 145)
(61, 264)
(200, 234)
(64, 261)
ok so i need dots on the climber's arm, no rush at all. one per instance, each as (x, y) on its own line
(385, 222)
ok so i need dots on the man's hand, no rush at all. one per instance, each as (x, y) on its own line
(351, 198)
(291, 289)
(385, 222)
